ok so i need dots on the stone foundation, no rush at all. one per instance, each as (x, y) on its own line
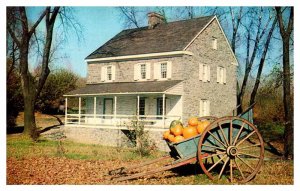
(110, 137)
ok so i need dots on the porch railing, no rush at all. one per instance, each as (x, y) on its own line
(120, 121)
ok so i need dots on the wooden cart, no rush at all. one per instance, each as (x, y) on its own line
(230, 147)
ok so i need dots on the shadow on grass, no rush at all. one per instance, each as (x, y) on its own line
(14, 130)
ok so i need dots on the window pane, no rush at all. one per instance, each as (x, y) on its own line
(163, 70)
(109, 74)
(142, 107)
(143, 71)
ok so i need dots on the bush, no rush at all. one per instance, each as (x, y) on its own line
(58, 83)
(14, 97)
(140, 137)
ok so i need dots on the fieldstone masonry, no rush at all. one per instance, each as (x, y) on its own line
(222, 97)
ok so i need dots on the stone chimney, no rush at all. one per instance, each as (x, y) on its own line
(155, 19)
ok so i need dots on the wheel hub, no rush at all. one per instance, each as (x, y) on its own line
(232, 151)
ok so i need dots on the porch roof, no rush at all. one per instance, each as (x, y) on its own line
(125, 88)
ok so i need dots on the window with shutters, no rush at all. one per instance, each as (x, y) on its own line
(108, 73)
(162, 70)
(204, 72)
(142, 71)
(221, 75)
(204, 109)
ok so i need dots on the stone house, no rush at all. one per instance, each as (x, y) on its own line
(158, 73)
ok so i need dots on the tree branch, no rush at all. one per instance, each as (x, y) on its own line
(31, 31)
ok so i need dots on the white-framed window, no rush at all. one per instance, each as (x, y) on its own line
(221, 75)
(204, 72)
(163, 70)
(142, 71)
(204, 108)
(214, 43)
(108, 73)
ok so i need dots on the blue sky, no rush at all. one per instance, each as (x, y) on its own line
(99, 24)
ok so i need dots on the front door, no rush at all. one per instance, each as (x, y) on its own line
(108, 107)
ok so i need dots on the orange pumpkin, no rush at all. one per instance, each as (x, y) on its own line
(178, 138)
(193, 121)
(202, 125)
(177, 130)
(171, 138)
(166, 134)
(189, 132)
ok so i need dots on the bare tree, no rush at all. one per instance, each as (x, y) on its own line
(261, 63)
(30, 86)
(130, 15)
(285, 32)
(251, 55)
(235, 20)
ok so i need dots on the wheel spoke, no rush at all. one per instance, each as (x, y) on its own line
(230, 133)
(231, 177)
(223, 167)
(223, 134)
(211, 146)
(217, 139)
(245, 162)
(253, 156)
(221, 153)
(239, 169)
(216, 163)
(247, 147)
(245, 138)
(239, 133)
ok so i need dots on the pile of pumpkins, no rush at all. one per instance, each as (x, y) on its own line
(178, 132)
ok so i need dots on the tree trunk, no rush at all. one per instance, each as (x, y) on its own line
(29, 94)
(287, 98)
(261, 64)
(287, 102)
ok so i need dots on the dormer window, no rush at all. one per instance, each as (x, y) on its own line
(214, 43)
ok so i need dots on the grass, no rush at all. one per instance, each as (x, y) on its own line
(271, 131)
(19, 146)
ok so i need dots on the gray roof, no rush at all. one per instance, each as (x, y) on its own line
(166, 37)
(125, 87)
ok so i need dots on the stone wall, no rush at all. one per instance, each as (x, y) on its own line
(222, 97)
(109, 137)
(125, 69)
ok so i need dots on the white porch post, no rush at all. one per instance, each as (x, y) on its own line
(95, 105)
(115, 110)
(79, 110)
(164, 99)
(66, 110)
(138, 107)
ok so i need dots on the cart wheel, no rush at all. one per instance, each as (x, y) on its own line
(231, 147)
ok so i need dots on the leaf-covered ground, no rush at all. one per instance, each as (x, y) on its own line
(61, 170)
